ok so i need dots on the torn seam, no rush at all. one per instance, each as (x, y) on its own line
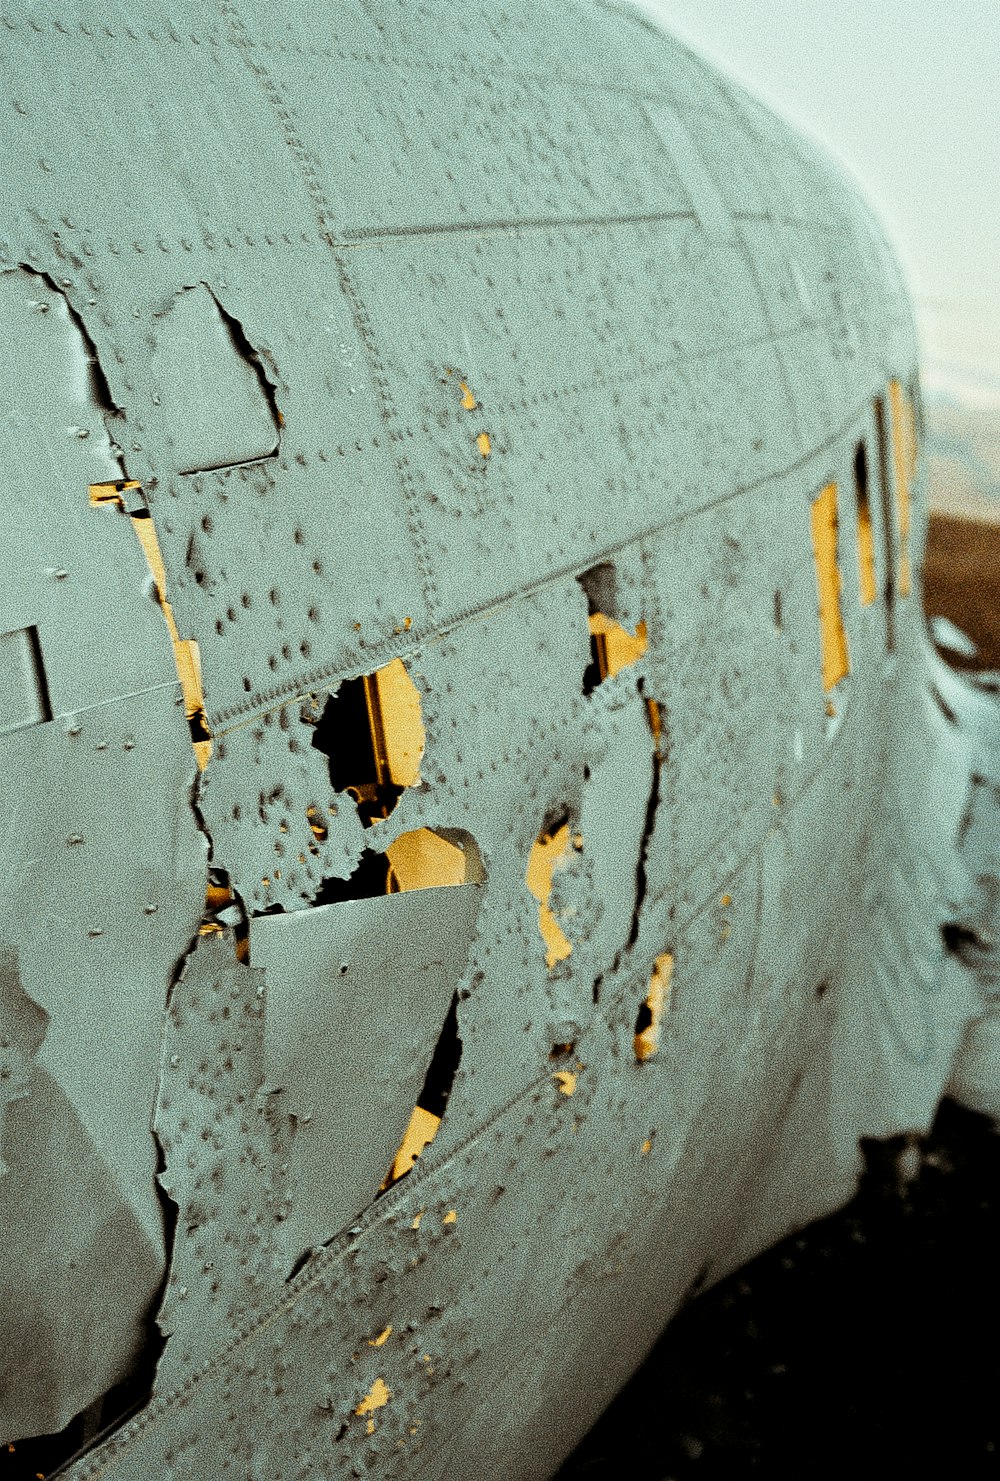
(99, 384)
(255, 359)
(652, 804)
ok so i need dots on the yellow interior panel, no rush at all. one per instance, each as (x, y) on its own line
(647, 1041)
(419, 1134)
(831, 620)
(396, 724)
(547, 852)
(423, 860)
(616, 648)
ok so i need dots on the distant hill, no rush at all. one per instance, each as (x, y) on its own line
(963, 447)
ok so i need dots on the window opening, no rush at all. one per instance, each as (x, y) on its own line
(831, 620)
(186, 654)
(888, 542)
(423, 860)
(866, 536)
(904, 459)
(372, 733)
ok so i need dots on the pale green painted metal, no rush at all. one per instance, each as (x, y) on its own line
(257, 259)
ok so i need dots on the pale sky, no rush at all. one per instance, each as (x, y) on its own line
(907, 94)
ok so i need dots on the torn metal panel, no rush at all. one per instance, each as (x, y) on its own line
(220, 1150)
(101, 926)
(75, 585)
(615, 815)
(265, 790)
(212, 385)
(357, 994)
(74, 1325)
(253, 572)
(98, 928)
(22, 1029)
(81, 1269)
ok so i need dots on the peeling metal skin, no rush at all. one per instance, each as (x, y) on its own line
(486, 830)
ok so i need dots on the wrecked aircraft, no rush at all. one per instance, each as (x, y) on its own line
(480, 805)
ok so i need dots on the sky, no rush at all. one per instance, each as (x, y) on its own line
(907, 94)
